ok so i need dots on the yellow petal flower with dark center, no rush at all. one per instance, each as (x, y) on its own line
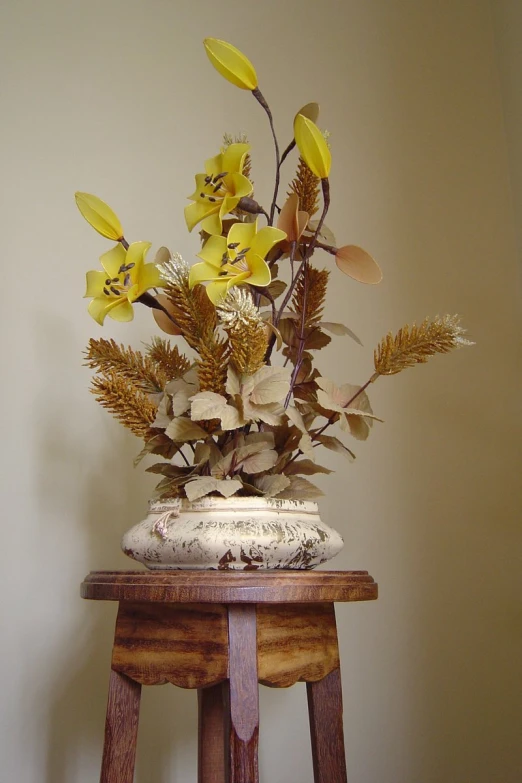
(218, 189)
(235, 259)
(231, 63)
(125, 278)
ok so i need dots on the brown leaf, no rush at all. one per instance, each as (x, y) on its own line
(304, 467)
(163, 321)
(358, 264)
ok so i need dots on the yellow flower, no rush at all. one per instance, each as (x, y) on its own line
(312, 146)
(125, 278)
(99, 215)
(235, 259)
(231, 63)
(219, 189)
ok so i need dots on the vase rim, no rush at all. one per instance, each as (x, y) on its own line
(251, 503)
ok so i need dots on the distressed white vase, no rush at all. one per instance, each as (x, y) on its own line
(232, 534)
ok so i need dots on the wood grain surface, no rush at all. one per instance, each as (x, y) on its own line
(185, 644)
(121, 730)
(226, 587)
(295, 642)
(243, 695)
(212, 743)
(325, 708)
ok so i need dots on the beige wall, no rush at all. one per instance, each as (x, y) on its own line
(117, 98)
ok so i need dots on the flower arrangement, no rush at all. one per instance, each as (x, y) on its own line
(228, 418)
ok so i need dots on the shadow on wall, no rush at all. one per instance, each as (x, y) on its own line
(96, 515)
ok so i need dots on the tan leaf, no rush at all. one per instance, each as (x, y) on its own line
(304, 467)
(261, 437)
(260, 462)
(180, 402)
(163, 417)
(199, 487)
(201, 453)
(231, 418)
(269, 414)
(233, 382)
(275, 289)
(326, 235)
(269, 384)
(184, 429)
(310, 111)
(317, 340)
(358, 264)
(339, 330)
(334, 444)
(207, 405)
(300, 489)
(162, 256)
(163, 321)
(271, 486)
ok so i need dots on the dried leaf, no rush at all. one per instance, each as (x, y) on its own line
(304, 467)
(300, 489)
(199, 487)
(326, 235)
(358, 264)
(270, 486)
(184, 429)
(260, 462)
(207, 405)
(275, 289)
(268, 385)
(339, 330)
(334, 444)
(180, 402)
(163, 321)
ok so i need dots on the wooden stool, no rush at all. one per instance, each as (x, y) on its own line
(222, 632)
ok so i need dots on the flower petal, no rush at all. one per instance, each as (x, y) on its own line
(99, 215)
(358, 264)
(149, 278)
(136, 255)
(239, 185)
(214, 165)
(231, 63)
(243, 233)
(199, 189)
(312, 146)
(196, 212)
(287, 220)
(260, 272)
(112, 260)
(213, 250)
(233, 158)
(265, 240)
(100, 306)
(217, 290)
(201, 273)
(212, 222)
(95, 283)
(123, 311)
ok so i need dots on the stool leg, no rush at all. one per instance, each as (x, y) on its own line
(325, 708)
(243, 694)
(211, 735)
(121, 729)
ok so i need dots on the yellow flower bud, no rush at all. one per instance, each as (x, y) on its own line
(231, 63)
(99, 215)
(312, 146)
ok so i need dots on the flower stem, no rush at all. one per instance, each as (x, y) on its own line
(260, 98)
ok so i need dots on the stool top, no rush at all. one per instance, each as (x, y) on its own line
(230, 587)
